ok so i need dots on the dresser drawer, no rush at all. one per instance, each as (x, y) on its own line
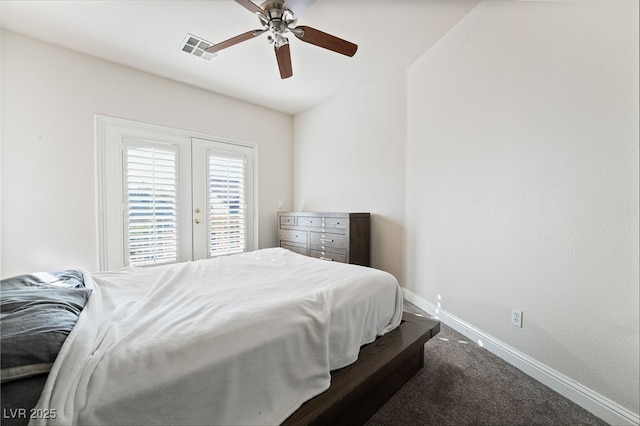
(292, 235)
(309, 221)
(320, 240)
(287, 220)
(327, 255)
(334, 222)
(302, 249)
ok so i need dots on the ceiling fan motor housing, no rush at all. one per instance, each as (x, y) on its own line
(279, 21)
(273, 8)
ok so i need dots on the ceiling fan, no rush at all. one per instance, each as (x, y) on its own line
(278, 18)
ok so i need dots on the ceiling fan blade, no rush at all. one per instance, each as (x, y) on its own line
(324, 40)
(251, 6)
(283, 55)
(234, 40)
(297, 7)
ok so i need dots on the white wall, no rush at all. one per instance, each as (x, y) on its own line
(49, 98)
(522, 183)
(349, 157)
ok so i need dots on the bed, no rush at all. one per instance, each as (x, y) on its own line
(265, 337)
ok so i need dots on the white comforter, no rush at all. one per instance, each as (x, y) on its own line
(242, 339)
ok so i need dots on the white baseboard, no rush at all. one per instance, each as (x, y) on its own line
(586, 398)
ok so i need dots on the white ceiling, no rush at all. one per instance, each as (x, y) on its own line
(147, 35)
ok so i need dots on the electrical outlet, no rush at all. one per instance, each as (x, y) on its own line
(516, 317)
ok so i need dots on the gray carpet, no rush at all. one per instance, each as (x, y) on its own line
(464, 384)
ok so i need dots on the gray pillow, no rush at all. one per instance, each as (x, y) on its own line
(37, 313)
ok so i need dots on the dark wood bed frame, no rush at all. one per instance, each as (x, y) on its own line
(383, 367)
(356, 391)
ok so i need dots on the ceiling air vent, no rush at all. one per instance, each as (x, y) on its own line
(194, 45)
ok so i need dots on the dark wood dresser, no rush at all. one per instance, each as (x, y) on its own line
(340, 237)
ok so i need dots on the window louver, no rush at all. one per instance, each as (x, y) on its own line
(227, 205)
(151, 205)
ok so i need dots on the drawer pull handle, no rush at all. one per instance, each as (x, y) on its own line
(324, 240)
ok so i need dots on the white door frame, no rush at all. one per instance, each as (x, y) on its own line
(109, 132)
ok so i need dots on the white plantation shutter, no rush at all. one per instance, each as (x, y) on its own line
(151, 200)
(223, 198)
(226, 203)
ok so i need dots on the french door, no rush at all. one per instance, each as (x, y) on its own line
(166, 196)
(222, 217)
